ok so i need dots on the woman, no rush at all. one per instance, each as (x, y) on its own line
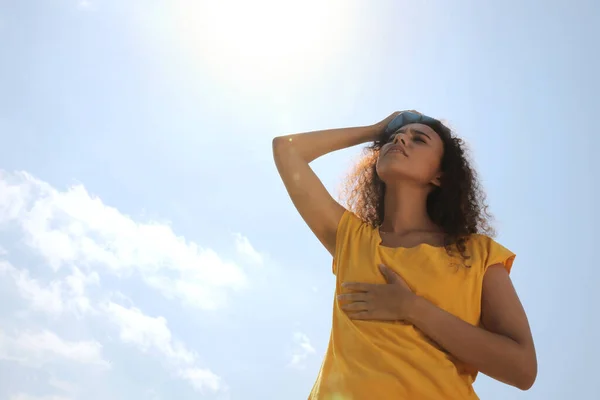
(423, 298)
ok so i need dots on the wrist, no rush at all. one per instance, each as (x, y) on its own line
(416, 307)
(374, 131)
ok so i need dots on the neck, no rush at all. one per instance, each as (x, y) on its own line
(405, 209)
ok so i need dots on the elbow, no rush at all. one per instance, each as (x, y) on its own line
(280, 141)
(527, 375)
(284, 148)
(278, 144)
(526, 382)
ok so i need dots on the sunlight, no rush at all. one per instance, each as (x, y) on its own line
(264, 41)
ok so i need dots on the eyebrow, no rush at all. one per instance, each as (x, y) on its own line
(418, 132)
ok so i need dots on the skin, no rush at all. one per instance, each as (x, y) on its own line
(502, 347)
(409, 165)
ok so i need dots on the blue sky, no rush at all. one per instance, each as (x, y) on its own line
(148, 248)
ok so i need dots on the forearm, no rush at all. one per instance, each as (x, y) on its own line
(312, 145)
(494, 355)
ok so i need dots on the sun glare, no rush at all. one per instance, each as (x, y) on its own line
(258, 42)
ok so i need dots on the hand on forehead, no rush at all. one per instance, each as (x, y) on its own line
(406, 118)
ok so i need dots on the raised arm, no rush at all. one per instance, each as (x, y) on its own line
(293, 154)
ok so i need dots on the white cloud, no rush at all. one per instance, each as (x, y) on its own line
(75, 287)
(38, 349)
(47, 299)
(245, 249)
(24, 396)
(85, 243)
(147, 333)
(301, 350)
(152, 334)
(202, 379)
(62, 385)
(55, 297)
(73, 229)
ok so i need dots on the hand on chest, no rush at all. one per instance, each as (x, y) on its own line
(429, 271)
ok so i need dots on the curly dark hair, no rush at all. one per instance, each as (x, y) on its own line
(457, 206)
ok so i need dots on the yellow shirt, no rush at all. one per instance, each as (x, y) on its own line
(371, 360)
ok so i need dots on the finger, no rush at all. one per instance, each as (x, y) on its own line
(349, 297)
(357, 286)
(389, 274)
(355, 306)
(360, 315)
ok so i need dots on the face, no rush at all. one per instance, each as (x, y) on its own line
(413, 153)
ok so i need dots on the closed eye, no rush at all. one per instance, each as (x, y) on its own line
(417, 135)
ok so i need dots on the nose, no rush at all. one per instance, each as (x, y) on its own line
(399, 138)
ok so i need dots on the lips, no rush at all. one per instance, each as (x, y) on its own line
(396, 148)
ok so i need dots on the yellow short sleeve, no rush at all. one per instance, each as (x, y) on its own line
(347, 230)
(498, 254)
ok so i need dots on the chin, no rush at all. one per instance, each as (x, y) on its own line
(396, 173)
